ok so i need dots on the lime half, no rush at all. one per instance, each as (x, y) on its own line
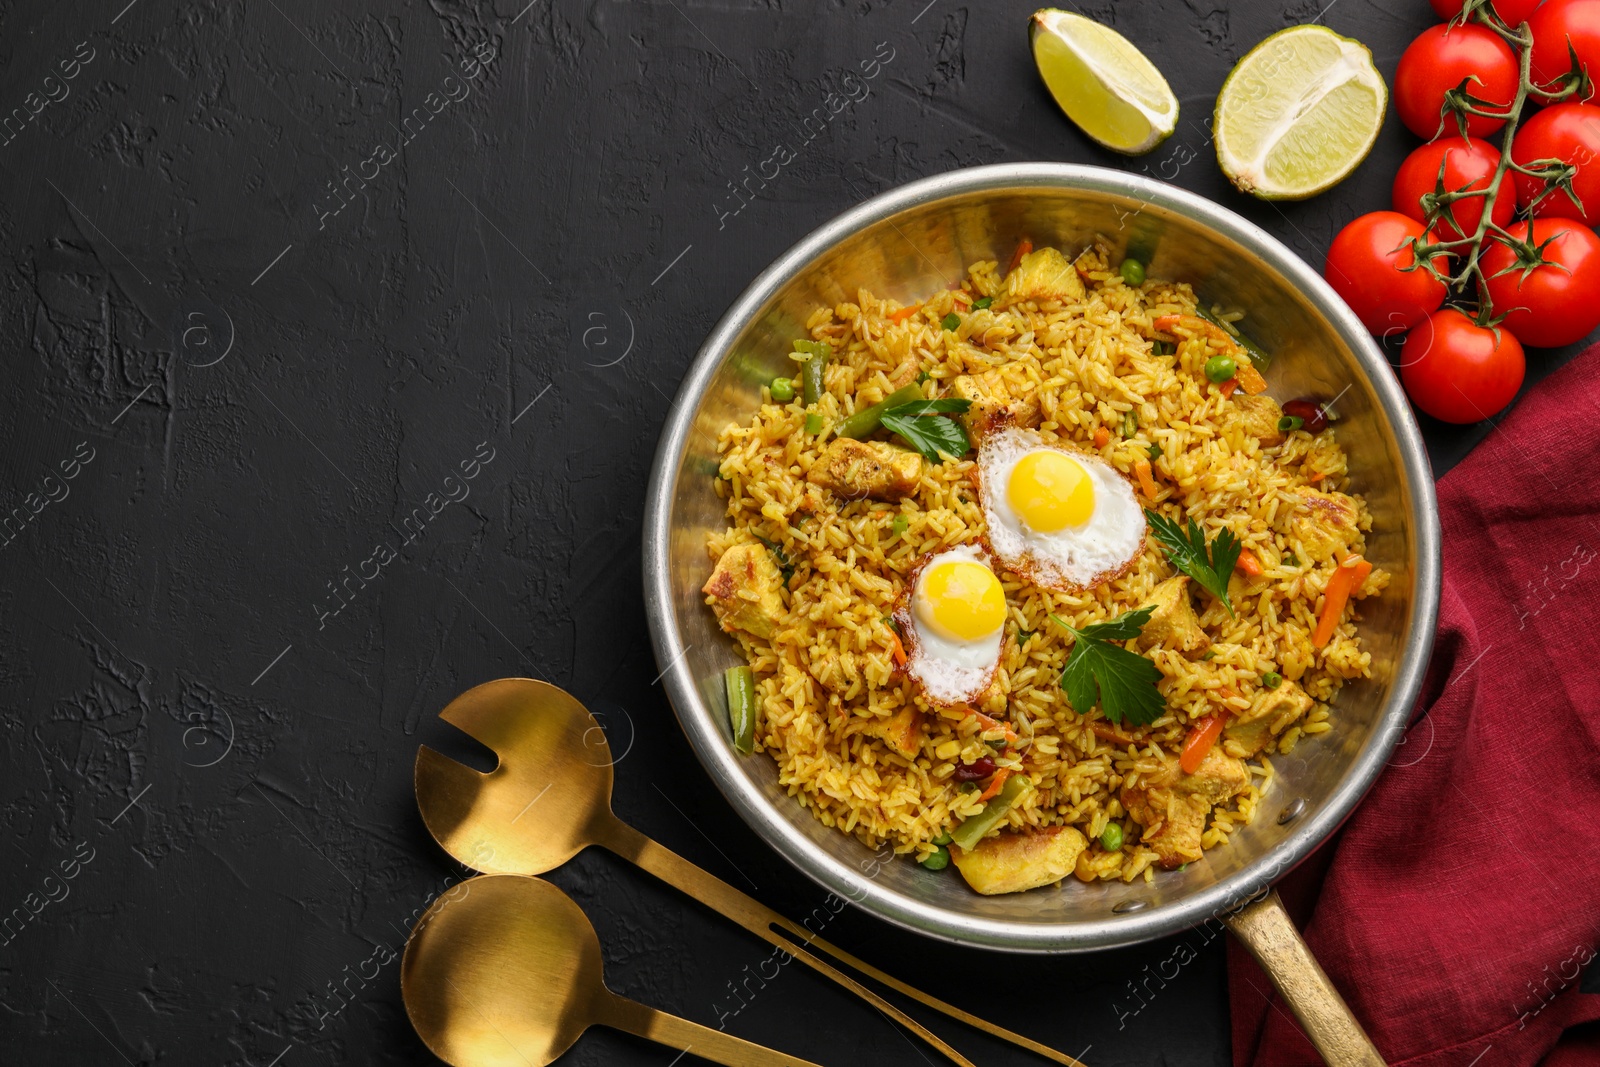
(1299, 113)
(1102, 81)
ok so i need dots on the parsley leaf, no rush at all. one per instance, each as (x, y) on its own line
(1121, 682)
(918, 424)
(1187, 551)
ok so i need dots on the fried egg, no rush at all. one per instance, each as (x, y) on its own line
(952, 619)
(1067, 521)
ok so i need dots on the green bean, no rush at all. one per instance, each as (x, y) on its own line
(811, 379)
(898, 527)
(970, 832)
(740, 683)
(813, 424)
(1272, 679)
(782, 390)
(867, 419)
(1111, 837)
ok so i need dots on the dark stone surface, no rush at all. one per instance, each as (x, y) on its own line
(267, 381)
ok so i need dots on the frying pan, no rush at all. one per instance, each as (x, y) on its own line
(908, 242)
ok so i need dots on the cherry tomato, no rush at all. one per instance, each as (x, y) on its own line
(1364, 266)
(1558, 24)
(1458, 371)
(1468, 164)
(1439, 60)
(1570, 133)
(1558, 303)
(1512, 12)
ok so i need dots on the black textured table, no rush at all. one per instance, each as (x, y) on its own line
(337, 338)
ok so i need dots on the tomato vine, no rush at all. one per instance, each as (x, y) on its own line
(1554, 173)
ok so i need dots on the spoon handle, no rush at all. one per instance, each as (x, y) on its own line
(794, 939)
(620, 1013)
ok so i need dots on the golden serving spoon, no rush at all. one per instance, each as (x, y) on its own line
(504, 971)
(550, 798)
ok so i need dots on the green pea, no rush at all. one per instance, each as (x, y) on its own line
(937, 860)
(942, 839)
(1272, 679)
(782, 390)
(1133, 272)
(1220, 368)
(1111, 836)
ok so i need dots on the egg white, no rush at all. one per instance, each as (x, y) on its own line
(949, 672)
(1068, 560)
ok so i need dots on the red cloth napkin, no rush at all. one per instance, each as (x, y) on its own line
(1460, 906)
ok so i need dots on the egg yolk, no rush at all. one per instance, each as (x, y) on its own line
(961, 600)
(1050, 491)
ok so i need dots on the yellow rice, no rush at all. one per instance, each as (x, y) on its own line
(827, 672)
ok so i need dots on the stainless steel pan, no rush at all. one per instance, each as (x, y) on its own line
(912, 240)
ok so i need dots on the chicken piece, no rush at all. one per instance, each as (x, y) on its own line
(902, 731)
(1045, 274)
(1176, 804)
(1259, 416)
(1324, 523)
(1173, 623)
(744, 591)
(1012, 862)
(853, 469)
(1270, 713)
(992, 404)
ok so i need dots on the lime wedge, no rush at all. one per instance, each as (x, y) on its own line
(1298, 113)
(1102, 81)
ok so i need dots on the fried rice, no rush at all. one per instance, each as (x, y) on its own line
(1106, 381)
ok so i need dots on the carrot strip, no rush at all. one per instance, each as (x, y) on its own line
(902, 314)
(996, 780)
(897, 651)
(1229, 386)
(1024, 246)
(1249, 379)
(1102, 437)
(1346, 580)
(1248, 564)
(1202, 737)
(1141, 467)
(995, 724)
(1107, 732)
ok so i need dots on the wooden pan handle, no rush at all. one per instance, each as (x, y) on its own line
(1267, 932)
